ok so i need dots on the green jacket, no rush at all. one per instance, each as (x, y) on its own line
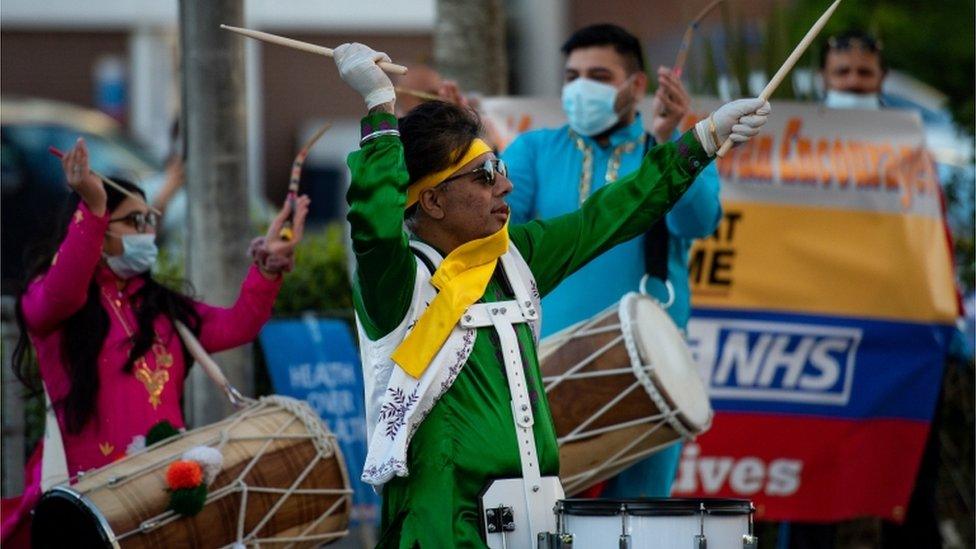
(468, 438)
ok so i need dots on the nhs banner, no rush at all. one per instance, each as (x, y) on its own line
(822, 310)
(315, 360)
(754, 360)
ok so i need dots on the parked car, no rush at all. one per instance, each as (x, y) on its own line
(31, 180)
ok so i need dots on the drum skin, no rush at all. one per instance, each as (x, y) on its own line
(141, 493)
(575, 401)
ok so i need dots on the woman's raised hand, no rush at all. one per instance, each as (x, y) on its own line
(81, 179)
(273, 253)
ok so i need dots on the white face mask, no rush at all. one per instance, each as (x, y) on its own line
(138, 255)
(588, 105)
(837, 99)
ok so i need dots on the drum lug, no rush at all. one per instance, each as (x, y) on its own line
(624, 541)
(548, 540)
(750, 542)
(701, 542)
(148, 525)
(500, 519)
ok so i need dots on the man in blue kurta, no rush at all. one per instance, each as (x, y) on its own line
(555, 170)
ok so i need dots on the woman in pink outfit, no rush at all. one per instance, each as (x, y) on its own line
(102, 327)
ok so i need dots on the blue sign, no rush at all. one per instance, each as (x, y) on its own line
(315, 360)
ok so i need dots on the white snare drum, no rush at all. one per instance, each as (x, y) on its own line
(650, 522)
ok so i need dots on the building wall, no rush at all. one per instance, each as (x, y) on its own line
(56, 64)
(295, 86)
(298, 86)
(660, 25)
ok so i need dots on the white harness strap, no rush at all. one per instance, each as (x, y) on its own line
(503, 316)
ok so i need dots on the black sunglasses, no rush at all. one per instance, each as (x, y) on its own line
(486, 173)
(139, 220)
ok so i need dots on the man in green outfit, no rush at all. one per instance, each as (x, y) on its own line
(448, 306)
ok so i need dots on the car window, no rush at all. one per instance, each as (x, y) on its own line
(112, 156)
(11, 168)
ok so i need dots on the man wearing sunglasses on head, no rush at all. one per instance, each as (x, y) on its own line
(853, 70)
(447, 296)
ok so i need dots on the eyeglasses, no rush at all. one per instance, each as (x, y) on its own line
(865, 43)
(486, 173)
(139, 220)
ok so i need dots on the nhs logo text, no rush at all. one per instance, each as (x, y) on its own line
(752, 360)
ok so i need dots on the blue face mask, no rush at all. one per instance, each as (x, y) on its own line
(589, 106)
(138, 255)
(837, 99)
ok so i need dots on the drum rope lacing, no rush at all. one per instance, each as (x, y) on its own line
(582, 480)
(324, 443)
(668, 414)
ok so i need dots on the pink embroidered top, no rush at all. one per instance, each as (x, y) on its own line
(128, 403)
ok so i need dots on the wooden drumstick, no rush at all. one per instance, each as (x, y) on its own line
(679, 62)
(391, 68)
(788, 64)
(56, 152)
(418, 94)
(286, 232)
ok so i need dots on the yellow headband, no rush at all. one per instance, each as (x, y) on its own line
(477, 148)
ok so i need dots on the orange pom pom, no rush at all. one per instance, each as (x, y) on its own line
(184, 474)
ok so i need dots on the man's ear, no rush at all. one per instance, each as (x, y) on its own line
(639, 85)
(431, 202)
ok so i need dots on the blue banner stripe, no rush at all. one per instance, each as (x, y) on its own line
(758, 361)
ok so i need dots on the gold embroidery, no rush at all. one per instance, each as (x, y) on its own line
(163, 357)
(79, 216)
(106, 448)
(613, 164)
(154, 380)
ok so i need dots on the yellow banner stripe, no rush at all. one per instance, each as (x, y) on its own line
(825, 261)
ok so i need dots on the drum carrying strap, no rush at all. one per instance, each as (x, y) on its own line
(503, 316)
(656, 238)
(54, 463)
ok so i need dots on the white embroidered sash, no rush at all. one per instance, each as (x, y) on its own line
(397, 403)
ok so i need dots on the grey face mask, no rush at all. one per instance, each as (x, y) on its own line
(138, 255)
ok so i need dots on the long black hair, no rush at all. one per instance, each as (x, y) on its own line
(83, 333)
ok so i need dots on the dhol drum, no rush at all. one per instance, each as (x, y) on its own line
(658, 523)
(621, 386)
(283, 483)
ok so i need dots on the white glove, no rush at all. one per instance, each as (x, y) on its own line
(738, 120)
(357, 66)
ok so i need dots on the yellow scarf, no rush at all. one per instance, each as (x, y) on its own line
(461, 280)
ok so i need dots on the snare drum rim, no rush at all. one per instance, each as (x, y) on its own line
(651, 507)
(107, 533)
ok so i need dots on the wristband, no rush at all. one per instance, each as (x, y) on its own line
(376, 134)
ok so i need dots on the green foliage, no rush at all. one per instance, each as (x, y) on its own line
(320, 280)
(736, 52)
